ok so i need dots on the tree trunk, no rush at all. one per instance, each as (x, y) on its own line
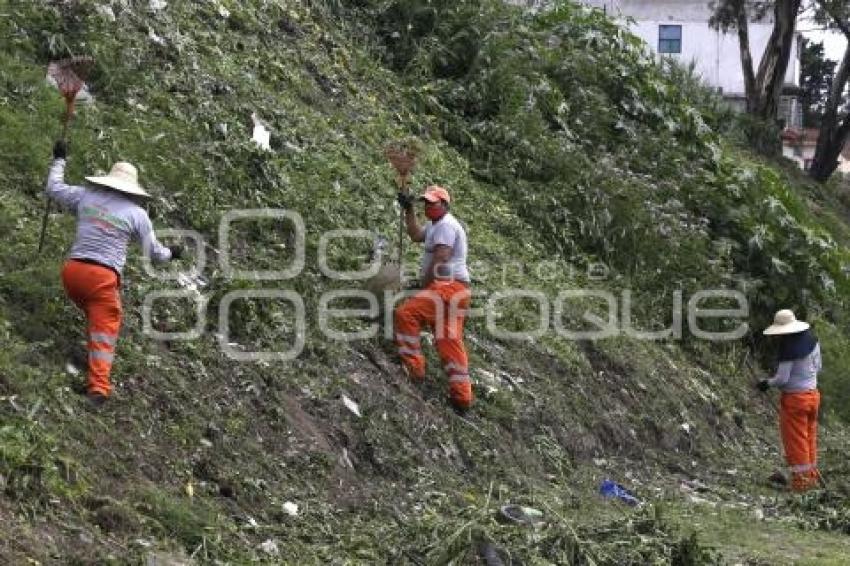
(834, 132)
(774, 61)
(746, 56)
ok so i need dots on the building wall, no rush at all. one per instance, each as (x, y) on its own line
(805, 154)
(801, 155)
(715, 55)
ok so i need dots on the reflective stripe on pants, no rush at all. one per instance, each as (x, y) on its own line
(442, 306)
(95, 290)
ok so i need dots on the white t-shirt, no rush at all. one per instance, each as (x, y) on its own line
(447, 231)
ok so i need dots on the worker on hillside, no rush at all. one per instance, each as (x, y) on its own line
(796, 377)
(108, 215)
(444, 300)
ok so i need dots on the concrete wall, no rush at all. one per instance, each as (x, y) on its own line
(804, 155)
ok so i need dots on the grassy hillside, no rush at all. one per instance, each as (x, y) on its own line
(566, 149)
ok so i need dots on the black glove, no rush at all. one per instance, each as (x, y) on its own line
(763, 385)
(60, 150)
(176, 252)
(405, 201)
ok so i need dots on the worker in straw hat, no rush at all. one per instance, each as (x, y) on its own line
(108, 215)
(796, 376)
(444, 300)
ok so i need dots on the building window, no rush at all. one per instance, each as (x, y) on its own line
(669, 39)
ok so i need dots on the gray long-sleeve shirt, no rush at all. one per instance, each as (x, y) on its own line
(106, 222)
(798, 375)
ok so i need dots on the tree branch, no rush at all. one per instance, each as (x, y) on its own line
(837, 19)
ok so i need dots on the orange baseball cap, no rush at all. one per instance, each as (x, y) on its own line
(436, 193)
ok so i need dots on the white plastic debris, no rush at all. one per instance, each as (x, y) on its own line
(261, 136)
(488, 380)
(700, 500)
(192, 283)
(292, 147)
(270, 547)
(351, 405)
(154, 37)
(157, 5)
(290, 509)
(72, 369)
(686, 427)
(345, 460)
(223, 12)
(105, 12)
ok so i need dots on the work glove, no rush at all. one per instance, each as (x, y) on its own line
(176, 252)
(763, 385)
(60, 150)
(405, 201)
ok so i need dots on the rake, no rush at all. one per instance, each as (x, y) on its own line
(403, 155)
(69, 75)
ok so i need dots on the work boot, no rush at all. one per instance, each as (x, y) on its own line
(801, 482)
(462, 409)
(96, 400)
(777, 478)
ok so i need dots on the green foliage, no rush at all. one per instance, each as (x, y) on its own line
(832, 381)
(616, 166)
(817, 74)
(192, 523)
(561, 140)
(28, 463)
(752, 132)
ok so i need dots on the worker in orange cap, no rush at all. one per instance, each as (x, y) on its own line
(443, 302)
(108, 215)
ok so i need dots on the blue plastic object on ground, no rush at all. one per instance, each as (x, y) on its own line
(612, 489)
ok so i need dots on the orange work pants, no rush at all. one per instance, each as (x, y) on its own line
(442, 306)
(95, 290)
(798, 423)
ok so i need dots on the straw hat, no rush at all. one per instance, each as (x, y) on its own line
(784, 322)
(123, 177)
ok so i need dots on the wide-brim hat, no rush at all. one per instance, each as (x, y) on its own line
(123, 177)
(435, 193)
(784, 322)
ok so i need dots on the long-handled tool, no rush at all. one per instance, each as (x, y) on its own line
(70, 75)
(403, 156)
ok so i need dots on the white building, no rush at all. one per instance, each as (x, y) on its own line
(799, 146)
(679, 29)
